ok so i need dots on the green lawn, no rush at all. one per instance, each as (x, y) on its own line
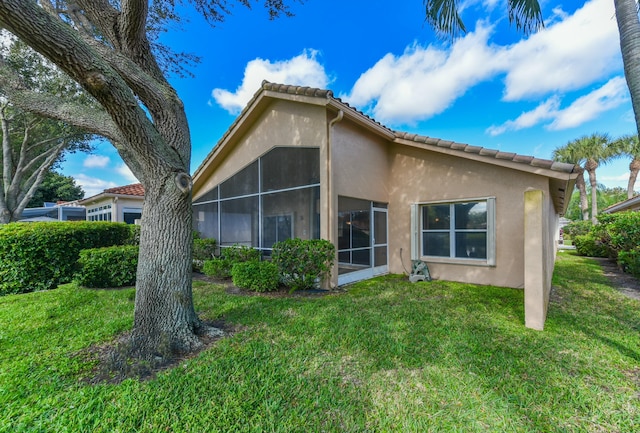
(386, 356)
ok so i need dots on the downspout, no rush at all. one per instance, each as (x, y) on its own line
(332, 199)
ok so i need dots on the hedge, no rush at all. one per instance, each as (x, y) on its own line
(256, 276)
(303, 263)
(40, 256)
(108, 267)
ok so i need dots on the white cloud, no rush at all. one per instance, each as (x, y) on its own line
(587, 107)
(569, 54)
(545, 111)
(573, 52)
(96, 161)
(425, 81)
(125, 172)
(302, 70)
(92, 185)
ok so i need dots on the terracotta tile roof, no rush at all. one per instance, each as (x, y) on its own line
(481, 151)
(133, 189)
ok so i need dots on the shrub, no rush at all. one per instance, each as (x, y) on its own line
(303, 262)
(630, 261)
(203, 249)
(217, 268)
(39, 256)
(108, 267)
(256, 276)
(622, 230)
(577, 228)
(221, 267)
(589, 245)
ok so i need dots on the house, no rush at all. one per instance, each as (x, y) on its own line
(61, 211)
(632, 204)
(298, 162)
(119, 204)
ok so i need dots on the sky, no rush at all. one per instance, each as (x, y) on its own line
(492, 87)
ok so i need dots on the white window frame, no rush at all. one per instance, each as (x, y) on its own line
(416, 233)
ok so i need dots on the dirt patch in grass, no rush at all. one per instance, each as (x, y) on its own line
(112, 361)
(626, 283)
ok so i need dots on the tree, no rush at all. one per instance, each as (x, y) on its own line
(32, 144)
(629, 145)
(56, 187)
(597, 149)
(108, 48)
(571, 154)
(629, 29)
(606, 198)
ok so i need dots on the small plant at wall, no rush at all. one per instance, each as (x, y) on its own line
(303, 263)
(256, 276)
(220, 267)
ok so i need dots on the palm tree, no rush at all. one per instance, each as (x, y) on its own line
(629, 29)
(570, 154)
(598, 149)
(444, 17)
(629, 145)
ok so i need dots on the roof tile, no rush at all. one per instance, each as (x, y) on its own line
(133, 189)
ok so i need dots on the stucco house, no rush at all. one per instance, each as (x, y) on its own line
(119, 204)
(299, 162)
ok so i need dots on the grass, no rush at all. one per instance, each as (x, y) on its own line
(387, 356)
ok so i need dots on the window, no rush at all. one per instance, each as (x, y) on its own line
(462, 230)
(275, 197)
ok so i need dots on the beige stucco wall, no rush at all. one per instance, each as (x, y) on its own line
(283, 123)
(418, 176)
(360, 163)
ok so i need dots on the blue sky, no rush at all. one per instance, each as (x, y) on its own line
(493, 87)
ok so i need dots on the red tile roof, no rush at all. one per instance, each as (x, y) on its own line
(133, 189)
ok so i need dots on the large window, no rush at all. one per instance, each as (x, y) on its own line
(274, 198)
(462, 230)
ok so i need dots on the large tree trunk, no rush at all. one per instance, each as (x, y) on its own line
(165, 320)
(629, 28)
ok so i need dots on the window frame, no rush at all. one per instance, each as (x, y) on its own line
(417, 231)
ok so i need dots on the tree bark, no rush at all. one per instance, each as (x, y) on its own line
(634, 168)
(629, 29)
(582, 189)
(591, 167)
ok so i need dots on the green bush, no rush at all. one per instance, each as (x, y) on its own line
(256, 276)
(589, 245)
(303, 262)
(622, 230)
(577, 228)
(108, 267)
(40, 256)
(630, 261)
(203, 249)
(220, 267)
(217, 268)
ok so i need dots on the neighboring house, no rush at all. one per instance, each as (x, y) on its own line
(119, 204)
(630, 204)
(62, 211)
(299, 162)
